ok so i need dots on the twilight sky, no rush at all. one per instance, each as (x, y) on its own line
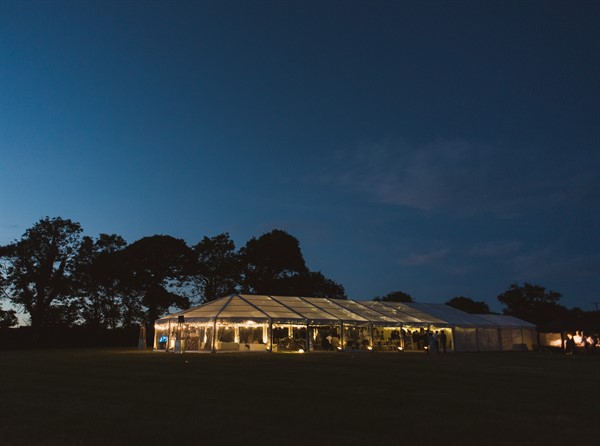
(438, 148)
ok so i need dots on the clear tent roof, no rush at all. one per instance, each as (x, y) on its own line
(416, 313)
(449, 315)
(506, 321)
(314, 310)
(393, 312)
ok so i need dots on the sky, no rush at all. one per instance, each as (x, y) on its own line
(437, 148)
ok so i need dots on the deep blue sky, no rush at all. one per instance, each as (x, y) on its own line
(439, 148)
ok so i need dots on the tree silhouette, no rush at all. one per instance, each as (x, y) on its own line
(155, 269)
(315, 284)
(38, 270)
(469, 305)
(8, 318)
(532, 303)
(218, 267)
(395, 296)
(99, 280)
(272, 263)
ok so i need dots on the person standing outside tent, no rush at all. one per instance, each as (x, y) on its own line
(569, 344)
(432, 343)
(443, 340)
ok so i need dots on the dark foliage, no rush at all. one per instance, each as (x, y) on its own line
(469, 305)
(532, 303)
(154, 269)
(8, 318)
(68, 337)
(395, 296)
(218, 268)
(274, 264)
(37, 271)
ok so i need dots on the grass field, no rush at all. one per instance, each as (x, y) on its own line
(114, 397)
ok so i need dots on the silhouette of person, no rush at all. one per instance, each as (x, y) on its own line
(443, 340)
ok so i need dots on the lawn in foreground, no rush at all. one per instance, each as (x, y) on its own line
(89, 397)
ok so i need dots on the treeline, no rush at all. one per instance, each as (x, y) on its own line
(61, 278)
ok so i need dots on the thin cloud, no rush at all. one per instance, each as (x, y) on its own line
(419, 259)
(495, 248)
(549, 263)
(464, 178)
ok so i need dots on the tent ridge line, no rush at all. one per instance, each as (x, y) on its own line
(289, 308)
(224, 305)
(322, 309)
(403, 312)
(332, 301)
(378, 312)
(251, 304)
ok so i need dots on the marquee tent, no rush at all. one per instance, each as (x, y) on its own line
(514, 333)
(299, 324)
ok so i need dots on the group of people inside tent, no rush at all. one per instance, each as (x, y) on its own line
(329, 338)
(432, 341)
(586, 342)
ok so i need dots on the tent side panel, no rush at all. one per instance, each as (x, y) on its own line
(488, 339)
(507, 340)
(465, 339)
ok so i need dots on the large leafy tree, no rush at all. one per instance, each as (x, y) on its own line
(395, 296)
(315, 284)
(272, 264)
(532, 303)
(38, 271)
(157, 269)
(218, 268)
(99, 280)
(469, 305)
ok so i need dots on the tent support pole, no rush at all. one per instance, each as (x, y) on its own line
(307, 338)
(168, 337)
(214, 336)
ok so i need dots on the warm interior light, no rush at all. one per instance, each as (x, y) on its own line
(301, 351)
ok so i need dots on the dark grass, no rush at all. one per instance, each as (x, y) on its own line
(114, 397)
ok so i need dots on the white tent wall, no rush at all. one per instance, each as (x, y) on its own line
(530, 338)
(488, 339)
(513, 339)
(465, 339)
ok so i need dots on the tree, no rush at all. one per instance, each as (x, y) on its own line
(8, 318)
(156, 271)
(218, 268)
(395, 296)
(272, 263)
(38, 271)
(469, 305)
(315, 284)
(99, 280)
(532, 303)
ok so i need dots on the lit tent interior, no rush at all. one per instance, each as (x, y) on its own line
(251, 323)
